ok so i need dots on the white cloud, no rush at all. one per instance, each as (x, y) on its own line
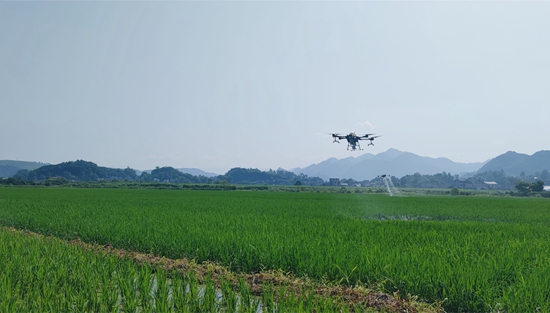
(367, 124)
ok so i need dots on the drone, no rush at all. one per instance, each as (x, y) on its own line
(353, 140)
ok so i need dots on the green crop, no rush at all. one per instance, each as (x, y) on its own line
(478, 254)
(49, 275)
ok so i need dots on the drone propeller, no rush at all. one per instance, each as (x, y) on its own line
(372, 139)
(336, 137)
(366, 135)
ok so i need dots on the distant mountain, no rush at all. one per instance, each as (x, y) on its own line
(513, 163)
(192, 171)
(393, 162)
(79, 171)
(172, 175)
(8, 171)
(239, 175)
(196, 172)
(8, 168)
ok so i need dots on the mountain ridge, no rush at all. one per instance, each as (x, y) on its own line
(514, 164)
(185, 170)
(393, 162)
(9, 168)
(368, 166)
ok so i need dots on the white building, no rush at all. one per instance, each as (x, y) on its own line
(490, 184)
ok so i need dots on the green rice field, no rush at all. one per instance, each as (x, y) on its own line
(477, 254)
(49, 275)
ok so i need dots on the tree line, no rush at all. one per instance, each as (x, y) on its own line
(80, 171)
(84, 171)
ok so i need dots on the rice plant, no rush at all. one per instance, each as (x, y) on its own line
(473, 253)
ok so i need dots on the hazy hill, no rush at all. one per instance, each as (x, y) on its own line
(170, 174)
(8, 171)
(393, 162)
(192, 171)
(513, 163)
(79, 171)
(196, 172)
(87, 171)
(239, 175)
(8, 168)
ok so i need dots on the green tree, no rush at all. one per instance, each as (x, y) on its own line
(523, 187)
(538, 186)
(146, 177)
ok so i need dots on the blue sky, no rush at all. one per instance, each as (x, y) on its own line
(215, 85)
